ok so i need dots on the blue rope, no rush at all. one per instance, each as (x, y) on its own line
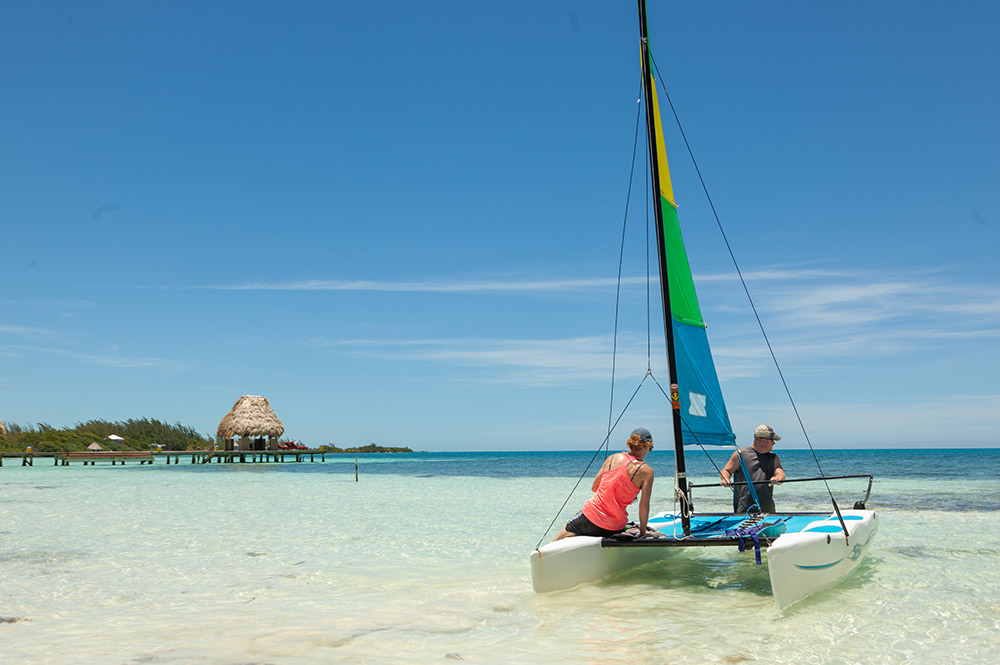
(753, 531)
(749, 482)
(740, 534)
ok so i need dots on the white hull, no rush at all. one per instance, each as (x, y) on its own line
(818, 556)
(578, 559)
(800, 563)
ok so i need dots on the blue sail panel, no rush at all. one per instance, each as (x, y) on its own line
(703, 411)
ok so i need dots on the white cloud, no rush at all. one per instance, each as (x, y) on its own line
(951, 421)
(829, 314)
(852, 304)
(108, 359)
(25, 330)
(473, 286)
(811, 322)
(776, 274)
(534, 362)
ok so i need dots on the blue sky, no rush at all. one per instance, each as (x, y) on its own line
(400, 221)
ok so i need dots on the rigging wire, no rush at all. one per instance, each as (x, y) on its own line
(590, 463)
(614, 356)
(746, 290)
(621, 261)
(649, 323)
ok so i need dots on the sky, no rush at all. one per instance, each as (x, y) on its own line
(401, 222)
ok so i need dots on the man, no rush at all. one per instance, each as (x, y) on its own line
(763, 466)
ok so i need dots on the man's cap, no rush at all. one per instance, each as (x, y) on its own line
(642, 433)
(765, 432)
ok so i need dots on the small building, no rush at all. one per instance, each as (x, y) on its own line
(95, 446)
(251, 424)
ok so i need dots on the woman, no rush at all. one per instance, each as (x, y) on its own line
(621, 478)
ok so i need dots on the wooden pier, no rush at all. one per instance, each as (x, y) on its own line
(244, 456)
(171, 457)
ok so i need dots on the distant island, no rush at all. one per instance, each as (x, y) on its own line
(133, 434)
(370, 448)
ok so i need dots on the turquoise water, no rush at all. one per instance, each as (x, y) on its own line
(426, 560)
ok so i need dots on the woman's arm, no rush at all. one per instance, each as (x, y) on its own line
(647, 491)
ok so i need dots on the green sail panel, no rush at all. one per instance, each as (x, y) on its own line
(683, 299)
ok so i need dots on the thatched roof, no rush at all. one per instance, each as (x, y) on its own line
(252, 417)
(95, 446)
(3, 429)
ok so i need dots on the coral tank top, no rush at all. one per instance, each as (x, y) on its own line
(606, 508)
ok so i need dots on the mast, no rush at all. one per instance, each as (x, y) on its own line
(680, 472)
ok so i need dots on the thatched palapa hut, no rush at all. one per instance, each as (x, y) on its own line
(95, 446)
(253, 422)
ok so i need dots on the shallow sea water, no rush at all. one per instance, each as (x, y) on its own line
(417, 563)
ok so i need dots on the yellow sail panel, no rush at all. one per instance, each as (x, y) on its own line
(666, 187)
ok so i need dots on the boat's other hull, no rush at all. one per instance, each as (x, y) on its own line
(819, 555)
(565, 563)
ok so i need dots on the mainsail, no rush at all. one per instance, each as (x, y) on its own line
(702, 409)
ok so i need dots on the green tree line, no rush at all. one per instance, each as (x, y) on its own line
(370, 448)
(138, 434)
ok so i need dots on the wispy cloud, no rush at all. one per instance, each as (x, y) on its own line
(815, 318)
(528, 361)
(25, 331)
(65, 304)
(418, 286)
(792, 296)
(818, 321)
(864, 299)
(100, 211)
(915, 421)
(497, 285)
(777, 274)
(106, 359)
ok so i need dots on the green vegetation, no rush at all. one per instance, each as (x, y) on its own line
(137, 434)
(370, 448)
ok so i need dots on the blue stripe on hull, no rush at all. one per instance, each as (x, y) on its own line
(820, 567)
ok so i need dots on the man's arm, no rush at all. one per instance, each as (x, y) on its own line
(727, 471)
(779, 472)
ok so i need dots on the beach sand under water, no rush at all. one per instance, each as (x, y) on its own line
(426, 560)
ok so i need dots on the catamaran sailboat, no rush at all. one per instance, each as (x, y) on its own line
(805, 552)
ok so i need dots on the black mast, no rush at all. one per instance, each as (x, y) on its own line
(680, 473)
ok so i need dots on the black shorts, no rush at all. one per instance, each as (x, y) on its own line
(581, 526)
